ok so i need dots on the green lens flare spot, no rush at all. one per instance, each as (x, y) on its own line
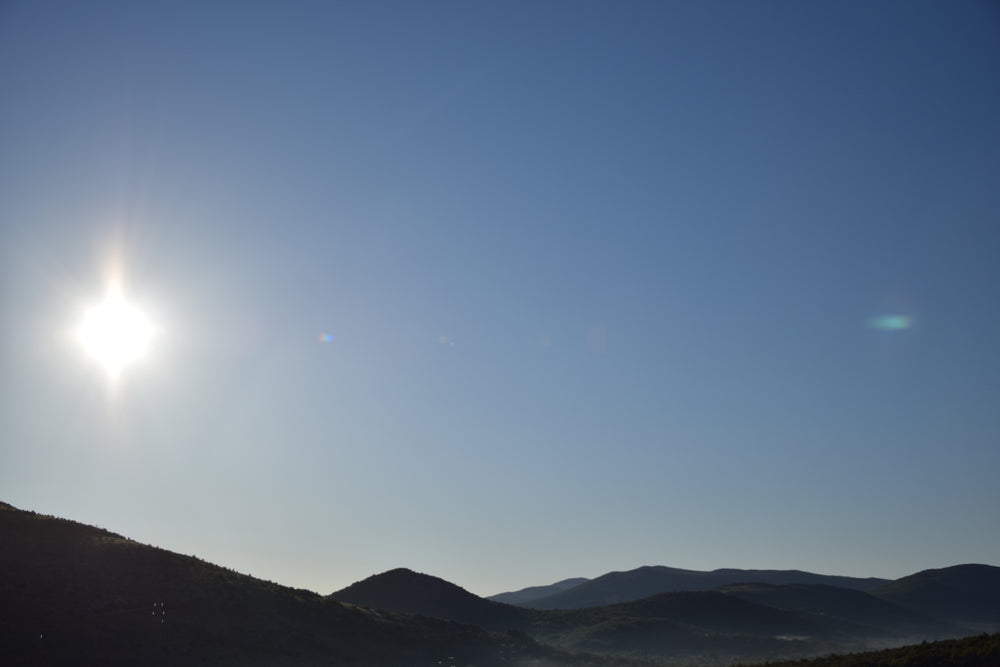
(891, 322)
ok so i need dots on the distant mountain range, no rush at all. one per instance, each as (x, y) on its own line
(775, 614)
(853, 612)
(71, 593)
(755, 621)
(537, 592)
(615, 587)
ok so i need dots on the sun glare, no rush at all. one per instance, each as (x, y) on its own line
(115, 333)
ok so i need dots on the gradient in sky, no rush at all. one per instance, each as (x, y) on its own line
(509, 292)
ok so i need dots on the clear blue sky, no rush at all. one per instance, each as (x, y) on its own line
(600, 280)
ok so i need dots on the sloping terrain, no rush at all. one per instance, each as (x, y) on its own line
(642, 582)
(535, 592)
(967, 594)
(714, 612)
(75, 594)
(978, 651)
(861, 614)
(409, 592)
(692, 625)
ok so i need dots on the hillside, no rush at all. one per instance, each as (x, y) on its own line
(714, 612)
(979, 651)
(967, 594)
(859, 613)
(693, 625)
(520, 597)
(409, 592)
(642, 582)
(75, 594)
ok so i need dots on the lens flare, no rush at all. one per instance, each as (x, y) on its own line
(890, 322)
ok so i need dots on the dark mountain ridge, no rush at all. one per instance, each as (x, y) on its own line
(535, 592)
(860, 613)
(642, 582)
(405, 591)
(715, 612)
(75, 594)
(968, 594)
(706, 627)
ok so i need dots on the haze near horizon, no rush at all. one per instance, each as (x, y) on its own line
(507, 293)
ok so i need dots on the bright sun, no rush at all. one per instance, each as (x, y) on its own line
(115, 333)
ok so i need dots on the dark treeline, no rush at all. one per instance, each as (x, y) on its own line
(980, 651)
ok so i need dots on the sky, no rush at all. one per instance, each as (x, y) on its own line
(508, 292)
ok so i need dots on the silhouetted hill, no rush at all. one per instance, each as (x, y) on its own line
(670, 643)
(535, 592)
(862, 614)
(702, 627)
(643, 582)
(968, 594)
(711, 611)
(75, 594)
(410, 592)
